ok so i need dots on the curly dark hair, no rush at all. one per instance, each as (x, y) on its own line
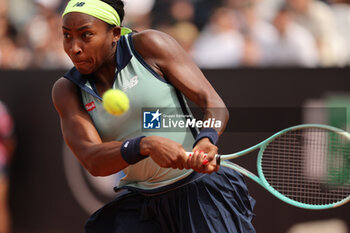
(118, 5)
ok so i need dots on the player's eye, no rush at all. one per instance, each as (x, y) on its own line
(86, 34)
(66, 35)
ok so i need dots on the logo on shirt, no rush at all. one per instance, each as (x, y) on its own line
(90, 106)
(152, 120)
(128, 84)
(79, 4)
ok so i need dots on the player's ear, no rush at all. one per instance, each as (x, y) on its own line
(116, 33)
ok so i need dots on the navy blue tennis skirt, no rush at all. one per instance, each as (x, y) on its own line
(201, 203)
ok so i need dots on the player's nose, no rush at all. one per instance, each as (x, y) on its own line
(75, 48)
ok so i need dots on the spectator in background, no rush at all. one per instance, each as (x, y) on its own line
(259, 34)
(295, 46)
(7, 146)
(185, 33)
(6, 44)
(203, 9)
(19, 12)
(44, 37)
(138, 14)
(183, 30)
(199, 11)
(12, 56)
(220, 44)
(268, 8)
(3, 7)
(29, 38)
(174, 14)
(318, 18)
(341, 10)
(164, 20)
(182, 10)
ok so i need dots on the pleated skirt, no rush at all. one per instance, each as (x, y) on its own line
(201, 203)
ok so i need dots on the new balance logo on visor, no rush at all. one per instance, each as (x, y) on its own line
(79, 4)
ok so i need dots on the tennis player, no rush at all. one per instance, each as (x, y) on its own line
(164, 190)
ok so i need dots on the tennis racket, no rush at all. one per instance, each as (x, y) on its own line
(307, 166)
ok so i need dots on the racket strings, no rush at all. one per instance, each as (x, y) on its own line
(311, 166)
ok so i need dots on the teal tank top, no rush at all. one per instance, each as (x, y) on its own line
(147, 92)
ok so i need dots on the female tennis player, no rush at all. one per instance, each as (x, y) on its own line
(164, 190)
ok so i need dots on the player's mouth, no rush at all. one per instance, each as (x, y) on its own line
(83, 66)
(80, 63)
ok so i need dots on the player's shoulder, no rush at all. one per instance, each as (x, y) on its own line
(62, 85)
(62, 89)
(152, 42)
(151, 35)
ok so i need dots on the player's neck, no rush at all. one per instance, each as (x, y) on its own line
(104, 76)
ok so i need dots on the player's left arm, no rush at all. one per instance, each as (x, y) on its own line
(172, 62)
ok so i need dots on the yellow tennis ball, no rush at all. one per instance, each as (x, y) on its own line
(115, 102)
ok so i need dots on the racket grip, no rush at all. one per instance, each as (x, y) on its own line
(218, 159)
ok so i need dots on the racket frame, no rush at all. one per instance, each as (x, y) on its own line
(222, 160)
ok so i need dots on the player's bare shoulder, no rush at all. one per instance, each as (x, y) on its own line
(63, 93)
(153, 37)
(61, 87)
(153, 43)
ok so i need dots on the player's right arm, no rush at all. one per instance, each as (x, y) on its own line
(100, 159)
(103, 158)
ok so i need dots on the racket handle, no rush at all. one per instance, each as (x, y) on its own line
(217, 157)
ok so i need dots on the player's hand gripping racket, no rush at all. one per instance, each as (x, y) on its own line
(307, 166)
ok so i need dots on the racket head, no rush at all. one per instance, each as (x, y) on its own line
(307, 166)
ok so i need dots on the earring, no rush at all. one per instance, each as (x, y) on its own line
(113, 43)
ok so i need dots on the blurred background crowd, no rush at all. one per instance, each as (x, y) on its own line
(216, 33)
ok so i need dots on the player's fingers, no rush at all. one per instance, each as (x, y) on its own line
(175, 162)
(192, 159)
(199, 160)
(188, 161)
(209, 157)
(179, 164)
(196, 160)
(182, 160)
(212, 152)
(210, 167)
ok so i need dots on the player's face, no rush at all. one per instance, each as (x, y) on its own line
(87, 41)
